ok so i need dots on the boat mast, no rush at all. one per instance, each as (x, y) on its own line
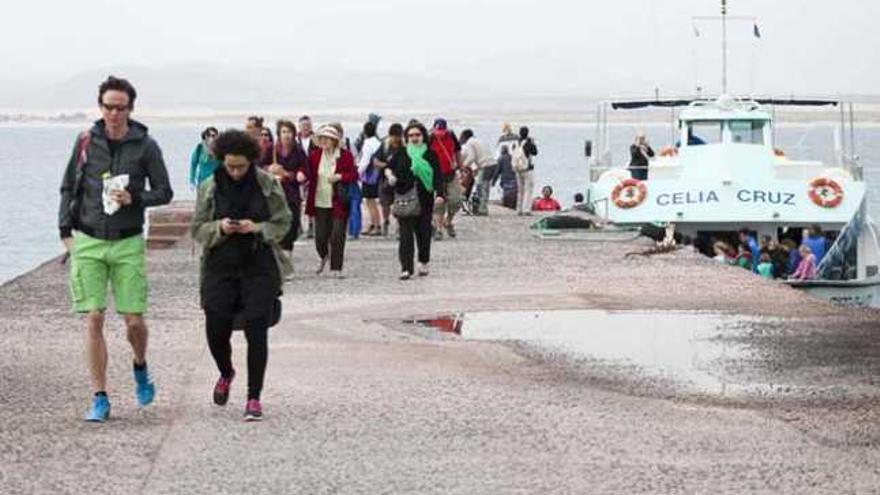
(724, 47)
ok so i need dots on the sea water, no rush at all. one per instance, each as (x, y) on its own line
(33, 157)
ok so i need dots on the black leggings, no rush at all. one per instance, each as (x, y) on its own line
(419, 228)
(219, 331)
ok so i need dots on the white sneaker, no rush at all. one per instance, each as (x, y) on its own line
(423, 269)
(337, 274)
(405, 275)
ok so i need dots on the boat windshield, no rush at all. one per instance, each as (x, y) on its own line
(713, 131)
(705, 132)
(747, 131)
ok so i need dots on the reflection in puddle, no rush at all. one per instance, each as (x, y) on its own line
(682, 347)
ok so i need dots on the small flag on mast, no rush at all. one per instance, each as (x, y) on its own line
(757, 31)
(696, 31)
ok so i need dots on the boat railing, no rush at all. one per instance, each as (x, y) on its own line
(596, 172)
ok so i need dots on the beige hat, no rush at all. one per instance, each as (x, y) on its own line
(328, 131)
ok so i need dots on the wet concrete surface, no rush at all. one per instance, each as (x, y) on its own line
(709, 356)
(357, 401)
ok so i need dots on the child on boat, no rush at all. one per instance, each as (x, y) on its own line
(806, 270)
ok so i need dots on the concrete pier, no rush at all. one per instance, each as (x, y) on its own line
(357, 400)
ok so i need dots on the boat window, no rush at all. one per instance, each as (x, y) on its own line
(747, 131)
(704, 132)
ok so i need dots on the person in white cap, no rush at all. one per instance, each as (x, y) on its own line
(330, 168)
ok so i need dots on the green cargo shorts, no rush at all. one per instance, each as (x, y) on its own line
(94, 262)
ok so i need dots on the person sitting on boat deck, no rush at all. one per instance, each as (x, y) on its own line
(794, 256)
(744, 257)
(202, 162)
(546, 202)
(724, 253)
(815, 239)
(778, 256)
(765, 266)
(746, 238)
(640, 152)
(806, 269)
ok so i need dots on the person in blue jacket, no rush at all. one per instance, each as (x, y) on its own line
(815, 239)
(202, 163)
(746, 238)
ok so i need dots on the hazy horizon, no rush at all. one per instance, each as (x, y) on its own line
(225, 55)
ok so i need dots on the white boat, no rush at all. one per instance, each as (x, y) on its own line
(725, 174)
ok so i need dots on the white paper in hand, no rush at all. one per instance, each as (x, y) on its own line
(115, 183)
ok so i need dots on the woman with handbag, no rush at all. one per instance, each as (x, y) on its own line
(330, 170)
(241, 216)
(418, 185)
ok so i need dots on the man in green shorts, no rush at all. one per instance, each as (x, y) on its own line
(101, 222)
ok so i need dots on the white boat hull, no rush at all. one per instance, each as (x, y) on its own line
(853, 293)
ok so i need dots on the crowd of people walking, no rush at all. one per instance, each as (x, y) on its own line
(259, 189)
(328, 182)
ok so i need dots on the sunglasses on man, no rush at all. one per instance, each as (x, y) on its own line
(110, 108)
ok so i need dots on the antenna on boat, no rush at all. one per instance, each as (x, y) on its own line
(724, 42)
(724, 47)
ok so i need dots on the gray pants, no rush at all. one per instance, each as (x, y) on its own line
(525, 182)
(484, 185)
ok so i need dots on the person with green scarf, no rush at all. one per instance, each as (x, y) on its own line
(418, 167)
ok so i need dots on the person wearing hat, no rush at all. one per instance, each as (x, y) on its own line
(330, 169)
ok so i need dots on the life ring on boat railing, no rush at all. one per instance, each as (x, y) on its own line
(825, 192)
(668, 151)
(629, 193)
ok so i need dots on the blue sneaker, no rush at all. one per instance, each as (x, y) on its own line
(100, 410)
(144, 389)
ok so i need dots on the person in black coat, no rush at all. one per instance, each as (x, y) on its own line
(640, 152)
(417, 167)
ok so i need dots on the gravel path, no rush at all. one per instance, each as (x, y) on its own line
(357, 403)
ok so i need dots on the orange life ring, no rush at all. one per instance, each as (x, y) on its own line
(668, 151)
(629, 193)
(825, 192)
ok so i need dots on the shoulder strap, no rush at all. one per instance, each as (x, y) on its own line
(445, 151)
(82, 147)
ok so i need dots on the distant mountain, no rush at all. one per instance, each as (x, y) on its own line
(228, 88)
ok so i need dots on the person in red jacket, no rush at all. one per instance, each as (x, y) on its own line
(445, 145)
(330, 169)
(546, 202)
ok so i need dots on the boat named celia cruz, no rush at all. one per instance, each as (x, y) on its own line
(724, 174)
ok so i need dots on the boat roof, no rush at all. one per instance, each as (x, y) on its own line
(683, 102)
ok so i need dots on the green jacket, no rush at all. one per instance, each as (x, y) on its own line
(206, 231)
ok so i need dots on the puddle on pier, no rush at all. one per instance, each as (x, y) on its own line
(685, 348)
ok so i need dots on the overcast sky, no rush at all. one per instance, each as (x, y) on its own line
(590, 48)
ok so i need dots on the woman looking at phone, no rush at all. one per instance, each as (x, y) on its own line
(241, 217)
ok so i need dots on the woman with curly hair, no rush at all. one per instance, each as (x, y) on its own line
(241, 216)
